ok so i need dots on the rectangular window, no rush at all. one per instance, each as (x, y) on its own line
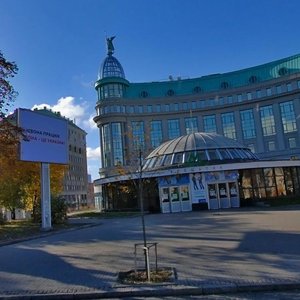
(249, 96)
(167, 107)
(138, 135)
(228, 125)
(149, 109)
(289, 87)
(298, 84)
(278, 89)
(194, 105)
(106, 146)
(269, 92)
(156, 133)
(210, 124)
(229, 99)
(239, 98)
(271, 146)
(157, 107)
(173, 129)
(185, 106)
(130, 109)
(248, 125)
(288, 117)
(267, 120)
(176, 106)
(292, 143)
(191, 125)
(117, 141)
(258, 93)
(139, 109)
(202, 103)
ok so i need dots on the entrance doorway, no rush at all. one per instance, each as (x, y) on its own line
(175, 199)
(222, 195)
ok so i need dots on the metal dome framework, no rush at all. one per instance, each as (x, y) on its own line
(198, 149)
(111, 67)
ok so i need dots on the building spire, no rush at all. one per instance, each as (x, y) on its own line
(110, 46)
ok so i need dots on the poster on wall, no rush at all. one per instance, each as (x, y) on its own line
(198, 192)
(173, 180)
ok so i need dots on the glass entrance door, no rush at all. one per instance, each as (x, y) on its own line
(223, 195)
(175, 201)
(185, 198)
(233, 192)
(165, 200)
(213, 201)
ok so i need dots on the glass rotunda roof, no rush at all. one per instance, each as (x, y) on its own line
(198, 149)
(111, 67)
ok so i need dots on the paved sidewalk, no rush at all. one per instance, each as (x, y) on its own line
(212, 253)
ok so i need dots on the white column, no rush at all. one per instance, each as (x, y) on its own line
(45, 197)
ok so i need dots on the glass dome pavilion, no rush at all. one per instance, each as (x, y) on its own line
(198, 148)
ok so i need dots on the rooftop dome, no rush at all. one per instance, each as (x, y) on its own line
(111, 67)
(198, 149)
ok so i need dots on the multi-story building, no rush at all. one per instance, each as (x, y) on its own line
(75, 185)
(258, 107)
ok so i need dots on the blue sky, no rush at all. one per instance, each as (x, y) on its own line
(59, 45)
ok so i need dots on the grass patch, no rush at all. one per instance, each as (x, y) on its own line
(108, 214)
(19, 229)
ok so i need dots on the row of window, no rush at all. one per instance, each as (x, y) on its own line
(112, 137)
(186, 106)
(73, 177)
(78, 169)
(71, 187)
(76, 134)
(112, 90)
(76, 159)
(228, 120)
(200, 157)
(75, 149)
(269, 182)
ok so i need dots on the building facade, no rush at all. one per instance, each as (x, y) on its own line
(75, 184)
(258, 107)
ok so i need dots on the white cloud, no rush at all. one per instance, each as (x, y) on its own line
(67, 108)
(93, 153)
(79, 113)
(90, 123)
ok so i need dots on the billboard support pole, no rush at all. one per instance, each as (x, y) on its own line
(45, 197)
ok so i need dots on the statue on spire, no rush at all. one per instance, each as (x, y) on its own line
(110, 46)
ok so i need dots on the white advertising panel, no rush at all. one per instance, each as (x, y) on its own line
(46, 137)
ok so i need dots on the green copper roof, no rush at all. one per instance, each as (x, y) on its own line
(216, 82)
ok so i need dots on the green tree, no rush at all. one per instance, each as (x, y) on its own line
(7, 92)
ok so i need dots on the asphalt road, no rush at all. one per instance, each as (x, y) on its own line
(206, 248)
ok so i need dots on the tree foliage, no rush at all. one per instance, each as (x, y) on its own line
(19, 180)
(7, 92)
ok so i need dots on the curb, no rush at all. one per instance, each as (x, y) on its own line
(230, 288)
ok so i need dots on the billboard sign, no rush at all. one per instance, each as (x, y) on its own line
(46, 137)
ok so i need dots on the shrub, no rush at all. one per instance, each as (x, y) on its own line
(58, 211)
(2, 218)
